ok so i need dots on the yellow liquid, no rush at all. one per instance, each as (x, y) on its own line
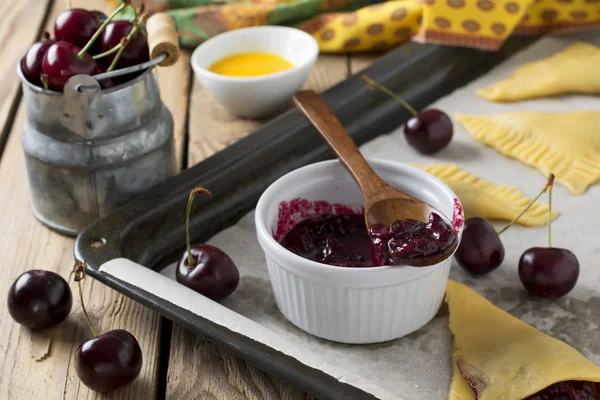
(250, 64)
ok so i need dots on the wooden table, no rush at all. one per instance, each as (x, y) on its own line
(177, 364)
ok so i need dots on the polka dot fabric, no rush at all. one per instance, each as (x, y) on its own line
(343, 26)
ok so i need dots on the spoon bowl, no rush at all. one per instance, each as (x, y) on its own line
(383, 203)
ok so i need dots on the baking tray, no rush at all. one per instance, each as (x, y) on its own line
(149, 230)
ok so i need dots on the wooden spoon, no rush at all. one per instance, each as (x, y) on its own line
(383, 203)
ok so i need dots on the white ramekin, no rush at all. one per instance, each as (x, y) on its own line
(352, 305)
(256, 96)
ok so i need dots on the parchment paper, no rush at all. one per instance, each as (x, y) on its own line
(418, 366)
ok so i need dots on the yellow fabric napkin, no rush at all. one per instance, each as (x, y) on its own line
(365, 25)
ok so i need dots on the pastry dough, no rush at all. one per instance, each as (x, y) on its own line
(481, 198)
(509, 359)
(565, 144)
(573, 70)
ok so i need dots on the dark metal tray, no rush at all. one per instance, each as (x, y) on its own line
(150, 229)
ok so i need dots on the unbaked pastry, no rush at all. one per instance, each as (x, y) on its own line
(573, 70)
(565, 144)
(481, 198)
(504, 357)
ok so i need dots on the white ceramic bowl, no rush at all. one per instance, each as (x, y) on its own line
(352, 305)
(259, 96)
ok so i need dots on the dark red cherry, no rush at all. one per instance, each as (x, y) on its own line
(39, 299)
(108, 361)
(429, 131)
(480, 250)
(548, 271)
(213, 273)
(76, 26)
(136, 51)
(568, 390)
(61, 63)
(31, 64)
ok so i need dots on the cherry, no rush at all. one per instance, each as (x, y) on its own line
(481, 251)
(108, 361)
(76, 26)
(31, 64)
(568, 390)
(427, 131)
(205, 268)
(39, 299)
(136, 51)
(548, 271)
(62, 61)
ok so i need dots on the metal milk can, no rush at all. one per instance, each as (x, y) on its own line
(88, 150)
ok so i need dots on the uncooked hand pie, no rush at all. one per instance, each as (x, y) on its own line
(565, 144)
(481, 198)
(573, 70)
(497, 356)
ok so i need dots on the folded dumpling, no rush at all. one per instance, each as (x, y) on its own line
(565, 144)
(573, 70)
(481, 198)
(499, 357)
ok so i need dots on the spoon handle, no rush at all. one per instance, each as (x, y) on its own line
(322, 117)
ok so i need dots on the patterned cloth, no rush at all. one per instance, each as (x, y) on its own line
(367, 25)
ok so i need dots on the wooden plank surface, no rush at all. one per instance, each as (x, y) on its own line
(20, 26)
(197, 368)
(40, 365)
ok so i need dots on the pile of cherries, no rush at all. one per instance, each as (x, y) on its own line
(42, 300)
(87, 42)
(544, 271)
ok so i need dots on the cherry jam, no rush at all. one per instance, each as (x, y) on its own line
(569, 390)
(344, 240)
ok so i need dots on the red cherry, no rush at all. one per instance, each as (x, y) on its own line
(61, 63)
(213, 273)
(31, 64)
(135, 53)
(481, 250)
(39, 299)
(76, 26)
(548, 271)
(205, 268)
(429, 131)
(108, 361)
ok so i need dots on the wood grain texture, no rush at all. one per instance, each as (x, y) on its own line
(174, 83)
(41, 365)
(20, 25)
(197, 368)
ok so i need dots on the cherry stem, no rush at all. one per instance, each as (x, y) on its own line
(79, 276)
(97, 34)
(188, 242)
(125, 41)
(391, 94)
(109, 52)
(45, 81)
(45, 36)
(515, 219)
(550, 184)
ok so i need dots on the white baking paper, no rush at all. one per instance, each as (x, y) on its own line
(418, 366)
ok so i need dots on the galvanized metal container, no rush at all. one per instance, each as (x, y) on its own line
(88, 151)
